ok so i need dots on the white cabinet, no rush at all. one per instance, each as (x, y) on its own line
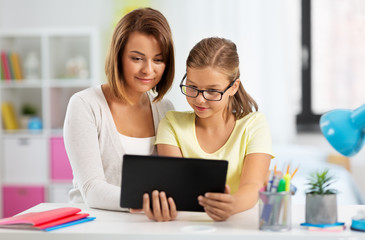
(25, 160)
(54, 64)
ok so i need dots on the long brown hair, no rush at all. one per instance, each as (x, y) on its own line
(148, 21)
(221, 54)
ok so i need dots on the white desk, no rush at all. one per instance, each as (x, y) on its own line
(110, 225)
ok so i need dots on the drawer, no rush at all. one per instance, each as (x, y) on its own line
(25, 160)
(21, 197)
(60, 165)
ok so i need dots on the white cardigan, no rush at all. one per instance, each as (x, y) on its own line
(94, 148)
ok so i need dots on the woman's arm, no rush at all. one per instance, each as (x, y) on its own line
(254, 173)
(83, 150)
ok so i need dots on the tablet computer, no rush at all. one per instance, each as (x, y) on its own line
(183, 179)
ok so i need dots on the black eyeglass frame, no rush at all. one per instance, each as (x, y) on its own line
(202, 91)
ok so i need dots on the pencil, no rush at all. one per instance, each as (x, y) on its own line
(295, 171)
(275, 169)
(287, 169)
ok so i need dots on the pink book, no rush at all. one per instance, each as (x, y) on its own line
(327, 229)
(6, 67)
(44, 219)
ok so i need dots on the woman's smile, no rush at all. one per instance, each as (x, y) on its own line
(145, 80)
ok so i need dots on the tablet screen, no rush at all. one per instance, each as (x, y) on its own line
(183, 179)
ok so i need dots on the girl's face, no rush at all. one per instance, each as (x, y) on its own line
(209, 79)
(143, 64)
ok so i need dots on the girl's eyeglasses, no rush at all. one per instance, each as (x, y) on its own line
(210, 95)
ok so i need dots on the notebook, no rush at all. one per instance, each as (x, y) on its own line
(46, 220)
(183, 179)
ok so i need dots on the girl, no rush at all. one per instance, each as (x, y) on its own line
(222, 126)
(105, 122)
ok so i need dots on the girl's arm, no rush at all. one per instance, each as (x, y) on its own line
(168, 150)
(220, 206)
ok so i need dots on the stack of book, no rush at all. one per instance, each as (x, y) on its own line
(46, 220)
(335, 227)
(10, 67)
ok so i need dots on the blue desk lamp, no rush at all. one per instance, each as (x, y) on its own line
(344, 129)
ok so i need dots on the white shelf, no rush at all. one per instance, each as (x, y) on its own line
(56, 50)
(21, 84)
(22, 133)
(69, 83)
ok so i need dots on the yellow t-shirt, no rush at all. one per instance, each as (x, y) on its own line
(251, 134)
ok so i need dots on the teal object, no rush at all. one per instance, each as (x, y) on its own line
(35, 123)
(358, 224)
(344, 129)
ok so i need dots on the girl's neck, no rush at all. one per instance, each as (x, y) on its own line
(216, 122)
(213, 133)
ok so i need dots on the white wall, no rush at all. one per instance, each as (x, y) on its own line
(266, 33)
(36, 13)
(267, 36)
(60, 13)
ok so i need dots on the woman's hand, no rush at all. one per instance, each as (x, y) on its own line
(163, 208)
(218, 206)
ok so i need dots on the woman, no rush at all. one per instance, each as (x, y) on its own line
(120, 117)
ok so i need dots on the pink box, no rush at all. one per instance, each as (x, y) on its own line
(19, 198)
(60, 165)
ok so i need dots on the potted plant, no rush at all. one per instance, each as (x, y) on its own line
(321, 200)
(28, 111)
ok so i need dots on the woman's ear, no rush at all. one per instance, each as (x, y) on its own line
(235, 87)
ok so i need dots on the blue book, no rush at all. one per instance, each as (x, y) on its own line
(323, 225)
(82, 220)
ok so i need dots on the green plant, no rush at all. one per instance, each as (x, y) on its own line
(319, 183)
(28, 109)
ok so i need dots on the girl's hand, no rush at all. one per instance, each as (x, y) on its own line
(163, 208)
(218, 206)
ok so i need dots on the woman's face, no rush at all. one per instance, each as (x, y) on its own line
(143, 63)
(208, 79)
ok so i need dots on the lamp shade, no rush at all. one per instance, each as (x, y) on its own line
(344, 129)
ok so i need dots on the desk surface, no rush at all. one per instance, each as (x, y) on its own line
(189, 225)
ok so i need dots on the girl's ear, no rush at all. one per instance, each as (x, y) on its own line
(235, 87)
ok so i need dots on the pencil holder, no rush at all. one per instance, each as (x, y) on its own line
(275, 211)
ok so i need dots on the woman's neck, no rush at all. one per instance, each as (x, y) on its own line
(136, 99)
